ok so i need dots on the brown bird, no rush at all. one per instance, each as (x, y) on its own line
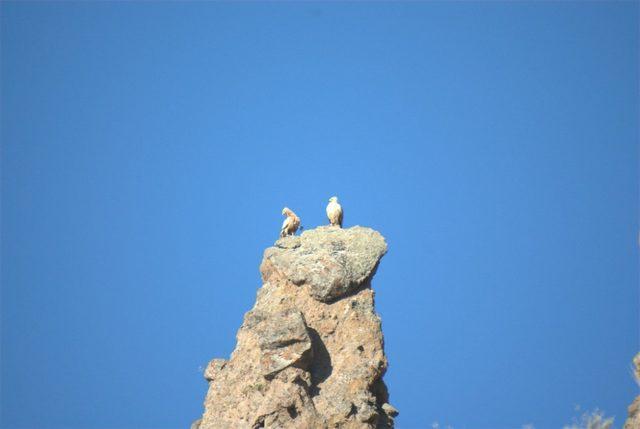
(290, 224)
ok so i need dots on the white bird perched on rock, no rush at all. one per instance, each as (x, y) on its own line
(290, 224)
(334, 212)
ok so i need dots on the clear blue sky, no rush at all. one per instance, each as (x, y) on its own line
(148, 148)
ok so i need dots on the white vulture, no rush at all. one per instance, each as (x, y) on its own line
(334, 212)
(290, 224)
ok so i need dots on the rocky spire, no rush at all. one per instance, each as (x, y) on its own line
(310, 354)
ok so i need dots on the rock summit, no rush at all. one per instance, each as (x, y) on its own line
(310, 353)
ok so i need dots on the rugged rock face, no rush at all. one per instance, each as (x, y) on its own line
(633, 422)
(310, 352)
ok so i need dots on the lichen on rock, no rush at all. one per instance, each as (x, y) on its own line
(310, 353)
(331, 261)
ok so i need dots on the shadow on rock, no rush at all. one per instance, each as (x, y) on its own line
(321, 365)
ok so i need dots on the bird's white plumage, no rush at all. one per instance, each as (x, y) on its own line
(334, 212)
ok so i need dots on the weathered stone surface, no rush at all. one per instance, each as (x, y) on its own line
(310, 353)
(283, 339)
(390, 410)
(633, 421)
(332, 261)
(214, 367)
